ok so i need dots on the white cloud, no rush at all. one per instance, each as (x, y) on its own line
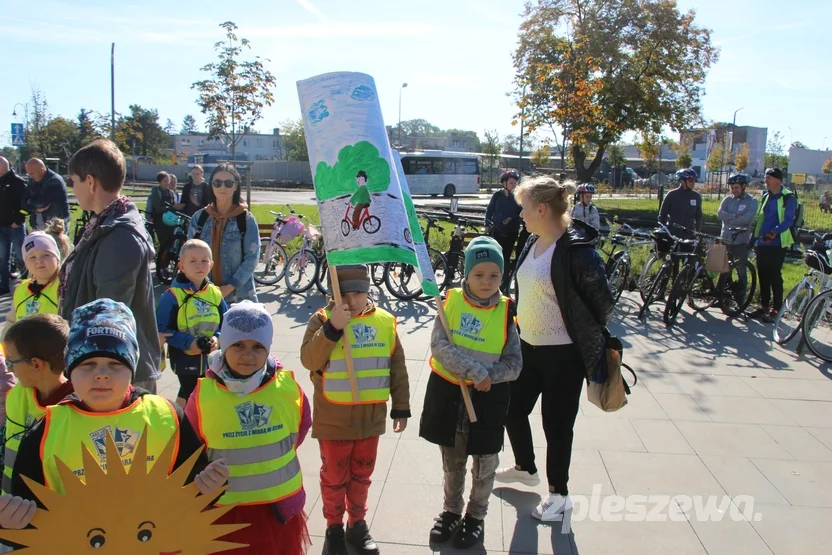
(311, 8)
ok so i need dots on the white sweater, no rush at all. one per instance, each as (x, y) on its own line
(538, 312)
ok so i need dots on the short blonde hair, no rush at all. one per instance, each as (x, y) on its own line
(191, 244)
(546, 190)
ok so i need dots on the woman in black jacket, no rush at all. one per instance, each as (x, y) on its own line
(563, 305)
(197, 192)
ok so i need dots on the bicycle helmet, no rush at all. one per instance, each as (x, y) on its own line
(587, 188)
(741, 178)
(683, 175)
(508, 175)
(170, 219)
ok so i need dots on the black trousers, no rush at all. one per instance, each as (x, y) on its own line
(770, 271)
(506, 241)
(557, 373)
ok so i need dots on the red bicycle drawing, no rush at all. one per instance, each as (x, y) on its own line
(371, 224)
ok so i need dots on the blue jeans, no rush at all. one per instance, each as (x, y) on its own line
(11, 241)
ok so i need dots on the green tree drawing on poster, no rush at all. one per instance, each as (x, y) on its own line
(339, 180)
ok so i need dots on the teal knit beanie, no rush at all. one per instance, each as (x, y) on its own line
(483, 249)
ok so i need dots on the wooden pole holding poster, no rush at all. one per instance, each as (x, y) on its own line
(336, 295)
(466, 395)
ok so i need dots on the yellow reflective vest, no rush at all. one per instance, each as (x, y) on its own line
(786, 239)
(372, 340)
(22, 411)
(199, 311)
(68, 427)
(256, 434)
(480, 333)
(27, 302)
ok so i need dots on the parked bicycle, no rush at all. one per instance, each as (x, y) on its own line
(817, 325)
(654, 286)
(271, 266)
(80, 223)
(727, 290)
(402, 280)
(619, 264)
(167, 259)
(683, 283)
(455, 256)
(308, 266)
(818, 277)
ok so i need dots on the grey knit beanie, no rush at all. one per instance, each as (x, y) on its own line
(246, 320)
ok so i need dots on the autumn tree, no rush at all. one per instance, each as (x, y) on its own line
(170, 127)
(234, 96)
(741, 159)
(85, 123)
(189, 126)
(491, 149)
(717, 158)
(419, 128)
(775, 156)
(294, 140)
(648, 146)
(540, 156)
(827, 167)
(598, 68)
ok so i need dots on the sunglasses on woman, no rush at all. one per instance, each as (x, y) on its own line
(229, 183)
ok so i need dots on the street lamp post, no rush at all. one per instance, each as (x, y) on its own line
(25, 111)
(824, 144)
(404, 86)
(522, 121)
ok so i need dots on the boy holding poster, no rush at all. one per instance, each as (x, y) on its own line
(348, 431)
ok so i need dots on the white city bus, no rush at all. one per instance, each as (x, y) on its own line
(438, 172)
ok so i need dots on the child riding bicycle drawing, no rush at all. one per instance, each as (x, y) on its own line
(360, 204)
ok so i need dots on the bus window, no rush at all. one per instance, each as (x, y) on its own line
(449, 167)
(469, 167)
(420, 167)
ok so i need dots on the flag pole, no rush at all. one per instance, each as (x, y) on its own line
(336, 295)
(466, 395)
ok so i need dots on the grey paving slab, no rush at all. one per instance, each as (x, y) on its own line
(523, 534)
(807, 413)
(741, 410)
(800, 444)
(795, 530)
(661, 436)
(743, 440)
(801, 482)
(797, 388)
(597, 432)
(729, 537)
(659, 474)
(739, 476)
(681, 407)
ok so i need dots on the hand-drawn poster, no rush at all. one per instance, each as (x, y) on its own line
(363, 215)
(425, 268)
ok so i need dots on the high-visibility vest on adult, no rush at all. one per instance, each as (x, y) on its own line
(257, 435)
(786, 239)
(69, 427)
(478, 332)
(199, 312)
(26, 302)
(372, 340)
(22, 411)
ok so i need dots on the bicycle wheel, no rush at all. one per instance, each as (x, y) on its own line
(167, 260)
(648, 275)
(440, 268)
(322, 277)
(791, 313)
(734, 299)
(301, 271)
(371, 225)
(703, 293)
(402, 281)
(269, 272)
(676, 299)
(817, 326)
(346, 226)
(656, 289)
(618, 276)
(377, 274)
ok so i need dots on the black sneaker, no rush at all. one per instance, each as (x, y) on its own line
(757, 314)
(359, 536)
(445, 527)
(471, 534)
(335, 542)
(770, 317)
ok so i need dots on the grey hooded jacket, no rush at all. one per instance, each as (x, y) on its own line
(114, 263)
(737, 212)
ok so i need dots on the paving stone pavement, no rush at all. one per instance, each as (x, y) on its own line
(719, 410)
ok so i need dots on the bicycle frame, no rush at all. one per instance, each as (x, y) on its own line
(363, 215)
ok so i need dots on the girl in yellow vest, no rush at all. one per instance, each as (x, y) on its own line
(39, 293)
(347, 431)
(252, 413)
(484, 350)
(101, 356)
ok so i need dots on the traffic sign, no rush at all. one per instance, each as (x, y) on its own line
(17, 135)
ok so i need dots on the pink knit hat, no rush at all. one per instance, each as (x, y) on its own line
(38, 240)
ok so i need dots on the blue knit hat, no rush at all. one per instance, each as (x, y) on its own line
(102, 328)
(483, 249)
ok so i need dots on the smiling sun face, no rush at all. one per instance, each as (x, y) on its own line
(116, 512)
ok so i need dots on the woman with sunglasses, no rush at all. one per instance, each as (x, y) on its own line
(231, 230)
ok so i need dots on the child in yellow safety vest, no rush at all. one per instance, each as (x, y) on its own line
(189, 316)
(39, 293)
(253, 414)
(35, 348)
(484, 350)
(347, 430)
(101, 356)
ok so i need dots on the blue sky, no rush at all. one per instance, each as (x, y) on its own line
(455, 56)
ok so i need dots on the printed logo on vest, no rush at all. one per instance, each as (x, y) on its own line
(365, 336)
(254, 420)
(470, 327)
(203, 307)
(125, 439)
(32, 307)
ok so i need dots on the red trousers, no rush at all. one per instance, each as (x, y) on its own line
(346, 468)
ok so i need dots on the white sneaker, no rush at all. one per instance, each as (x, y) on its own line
(552, 507)
(511, 474)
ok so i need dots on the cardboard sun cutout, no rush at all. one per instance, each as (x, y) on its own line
(135, 513)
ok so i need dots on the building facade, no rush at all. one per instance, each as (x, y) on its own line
(808, 162)
(702, 141)
(252, 147)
